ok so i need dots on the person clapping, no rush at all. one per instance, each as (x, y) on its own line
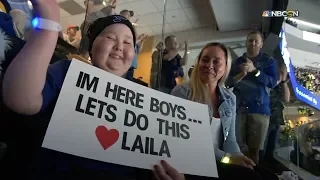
(172, 63)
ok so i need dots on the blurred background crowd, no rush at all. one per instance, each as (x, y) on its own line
(308, 78)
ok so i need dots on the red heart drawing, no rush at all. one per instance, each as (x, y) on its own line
(107, 137)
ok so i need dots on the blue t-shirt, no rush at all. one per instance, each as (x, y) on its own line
(51, 163)
(134, 62)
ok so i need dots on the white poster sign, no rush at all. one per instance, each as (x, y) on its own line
(104, 117)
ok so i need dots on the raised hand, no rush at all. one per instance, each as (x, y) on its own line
(47, 9)
(243, 68)
(160, 46)
(186, 44)
(141, 38)
(113, 3)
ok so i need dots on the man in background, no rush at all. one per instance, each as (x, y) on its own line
(128, 14)
(172, 63)
(252, 76)
(72, 36)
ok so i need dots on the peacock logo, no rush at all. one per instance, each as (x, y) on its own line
(266, 14)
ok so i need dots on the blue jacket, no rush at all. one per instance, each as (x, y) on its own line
(253, 92)
(6, 23)
(227, 112)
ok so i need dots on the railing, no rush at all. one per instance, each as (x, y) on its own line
(303, 25)
(312, 35)
(300, 152)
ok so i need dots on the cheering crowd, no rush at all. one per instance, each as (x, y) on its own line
(309, 79)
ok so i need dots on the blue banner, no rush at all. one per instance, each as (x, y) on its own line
(301, 92)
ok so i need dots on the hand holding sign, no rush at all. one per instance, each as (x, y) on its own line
(242, 161)
(166, 172)
(103, 117)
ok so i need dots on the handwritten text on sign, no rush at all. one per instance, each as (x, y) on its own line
(107, 118)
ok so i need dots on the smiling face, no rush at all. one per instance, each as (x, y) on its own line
(171, 43)
(212, 64)
(113, 49)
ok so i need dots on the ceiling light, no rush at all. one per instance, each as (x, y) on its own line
(188, 52)
(30, 5)
(104, 3)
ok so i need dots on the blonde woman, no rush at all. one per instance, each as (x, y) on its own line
(207, 86)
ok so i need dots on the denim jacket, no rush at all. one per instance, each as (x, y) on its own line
(227, 112)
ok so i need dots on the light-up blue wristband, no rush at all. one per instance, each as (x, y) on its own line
(39, 23)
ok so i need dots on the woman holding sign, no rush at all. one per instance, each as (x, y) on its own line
(207, 86)
(31, 87)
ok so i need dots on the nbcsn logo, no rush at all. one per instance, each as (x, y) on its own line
(288, 13)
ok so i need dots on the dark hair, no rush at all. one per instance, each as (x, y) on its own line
(124, 11)
(168, 37)
(127, 11)
(256, 32)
